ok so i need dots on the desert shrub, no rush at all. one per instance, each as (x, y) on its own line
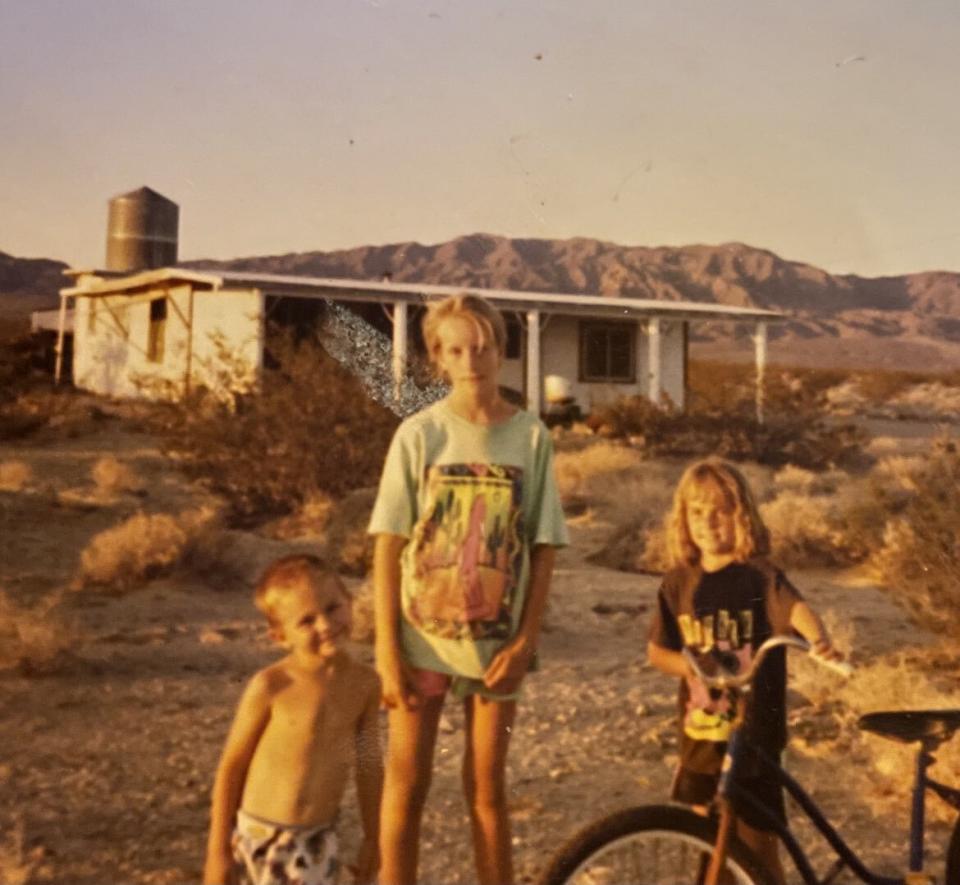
(363, 617)
(805, 530)
(49, 413)
(798, 436)
(579, 472)
(17, 864)
(899, 682)
(920, 552)
(140, 548)
(715, 386)
(880, 385)
(309, 429)
(111, 476)
(14, 475)
(37, 640)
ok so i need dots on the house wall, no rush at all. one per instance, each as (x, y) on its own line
(111, 354)
(560, 355)
(227, 338)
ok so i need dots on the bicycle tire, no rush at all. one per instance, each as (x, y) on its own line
(648, 845)
(953, 856)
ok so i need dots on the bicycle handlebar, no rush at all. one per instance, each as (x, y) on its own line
(728, 679)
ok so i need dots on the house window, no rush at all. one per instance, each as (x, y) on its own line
(608, 352)
(158, 328)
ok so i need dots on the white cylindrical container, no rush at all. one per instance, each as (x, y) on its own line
(556, 389)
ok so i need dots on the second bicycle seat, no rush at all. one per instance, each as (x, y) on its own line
(913, 725)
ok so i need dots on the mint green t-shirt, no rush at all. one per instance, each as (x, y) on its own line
(472, 500)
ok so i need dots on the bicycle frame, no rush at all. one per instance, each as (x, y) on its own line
(729, 790)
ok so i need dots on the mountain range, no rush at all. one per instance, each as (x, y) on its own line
(908, 321)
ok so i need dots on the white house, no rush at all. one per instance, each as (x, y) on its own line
(135, 332)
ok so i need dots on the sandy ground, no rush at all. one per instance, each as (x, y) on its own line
(105, 767)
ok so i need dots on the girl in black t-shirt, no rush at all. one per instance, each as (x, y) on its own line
(722, 593)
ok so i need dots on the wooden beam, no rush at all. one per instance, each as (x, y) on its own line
(399, 346)
(760, 352)
(654, 382)
(60, 333)
(533, 361)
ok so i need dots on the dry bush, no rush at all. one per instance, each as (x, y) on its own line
(581, 473)
(229, 559)
(37, 640)
(47, 412)
(807, 482)
(897, 683)
(792, 434)
(730, 387)
(141, 547)
(310, 428)
(14, 475)
(920, 552)
(805, 530)
(17, 865)
(363, 618)
(111, 476)
(310, 519)
(880, 385)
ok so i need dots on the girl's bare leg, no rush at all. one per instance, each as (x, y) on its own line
(766, 846)
(412, 736)
(488, 727)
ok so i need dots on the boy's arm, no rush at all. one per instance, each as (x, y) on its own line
(248, 724)
(511, 663)
(369, 776)
(807, 623)
(397, 688)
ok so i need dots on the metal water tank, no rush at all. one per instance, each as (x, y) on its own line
(142, 229)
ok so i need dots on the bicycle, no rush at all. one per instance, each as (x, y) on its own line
(670, 844)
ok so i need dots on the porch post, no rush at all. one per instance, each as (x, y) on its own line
(760, 351)
(533, 361)
(653, 360)
(399, 345)
(60, 333)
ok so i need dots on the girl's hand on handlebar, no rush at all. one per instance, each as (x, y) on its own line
(824, 648)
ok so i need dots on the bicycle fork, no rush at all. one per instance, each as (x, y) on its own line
(718, 857)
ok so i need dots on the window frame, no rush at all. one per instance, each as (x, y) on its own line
(588, 327)
(157, 330)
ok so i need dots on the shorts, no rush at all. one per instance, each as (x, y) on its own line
(432, 684)
(696, 788)
(276, 854)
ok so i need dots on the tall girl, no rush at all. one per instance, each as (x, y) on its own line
(721, 591)
(467, 520)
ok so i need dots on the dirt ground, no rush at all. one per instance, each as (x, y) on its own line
(106, 766)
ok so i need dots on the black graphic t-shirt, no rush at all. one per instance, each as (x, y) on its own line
(733, 610)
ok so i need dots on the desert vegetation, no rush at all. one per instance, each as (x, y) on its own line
(131, 533)
(310, 429)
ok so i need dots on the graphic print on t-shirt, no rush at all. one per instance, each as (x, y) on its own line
(709, 714)
(467, 551)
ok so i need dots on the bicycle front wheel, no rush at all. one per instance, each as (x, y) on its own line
(651, 845)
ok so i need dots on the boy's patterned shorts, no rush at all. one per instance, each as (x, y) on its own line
(274, 854)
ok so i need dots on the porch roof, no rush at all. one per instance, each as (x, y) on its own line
(601, 306)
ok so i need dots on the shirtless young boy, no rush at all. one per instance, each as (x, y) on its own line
(301, 723)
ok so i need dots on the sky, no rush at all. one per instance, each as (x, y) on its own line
(825, 130)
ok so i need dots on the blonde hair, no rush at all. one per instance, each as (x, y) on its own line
(477, 310)
(286, 574)
(751, 535)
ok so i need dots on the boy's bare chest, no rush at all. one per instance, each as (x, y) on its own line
(315, 711)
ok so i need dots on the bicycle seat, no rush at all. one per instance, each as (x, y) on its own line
(913, 725)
